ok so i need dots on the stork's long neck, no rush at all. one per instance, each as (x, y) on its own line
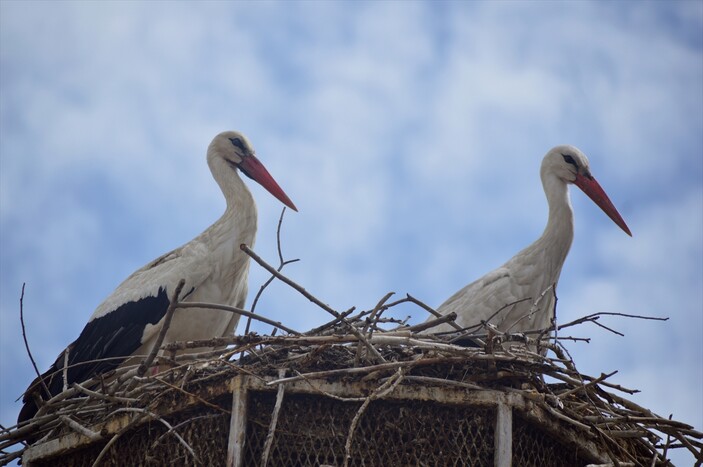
(240, 214)
(559, 232)
(236, 226)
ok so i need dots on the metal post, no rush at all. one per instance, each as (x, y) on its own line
(238, 423)
(503, 455)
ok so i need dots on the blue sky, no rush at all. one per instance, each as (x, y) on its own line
(409, 135)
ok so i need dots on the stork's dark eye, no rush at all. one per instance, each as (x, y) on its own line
(570, 160)
(237, 143)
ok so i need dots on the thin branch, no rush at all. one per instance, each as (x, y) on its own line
(240, 311)
(164, 423)
(381, 391)
(427, 380)
(66, 354)
(144, 366)
(331, 324)
(274, 419)
(194, 396)
(497, 312)
(449, 317)
(77, 427)
(142, 413)
(245, 248)
(601, 378)
(282, 263)
(312, 298)
(183, 423)
(114, 439)
(26, 344)
(432, 311)
(533, 309)
(369, 320)
(593, 316)
(365, 369)
(106, 397)
(607, 328)
(665, 448)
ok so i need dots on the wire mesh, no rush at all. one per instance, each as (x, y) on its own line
(533, 446)
(312, 430)
(205, 431)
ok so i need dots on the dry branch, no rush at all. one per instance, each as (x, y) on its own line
(240, 311)
(281, 265)
(164, 329)
(26, 344)
(274, 419)
(312, 298)
(383, 390)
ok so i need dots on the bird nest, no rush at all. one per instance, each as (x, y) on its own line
(363, 389)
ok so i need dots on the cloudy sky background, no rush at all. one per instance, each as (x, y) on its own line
(409, 136)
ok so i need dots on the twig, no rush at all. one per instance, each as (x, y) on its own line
(497, 312)
(282, 263)
(26, 344)
(166, 424)
(144, 366)
(240, 311)
(593, 316)
(381, 391)
(552, 322)
(375, 312)
(106, 397)
(66, 354)
(194, 396)
(449, 317)
(312, 298)
(664, 449)
(332, 323)
(594, 321)
(368, 324)
(325, 393)
(533, 309)
(114, 439)
(554, 314)
(431, 311)
(274, 419)
(601, 378)
(245, 248)
(142, 413)
(365, 369)
(77, 427)
(183, 423)
(5, 459)
(425, 380)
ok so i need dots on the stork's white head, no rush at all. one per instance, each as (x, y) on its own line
(571, 166)
(566, 162)
(234, 149)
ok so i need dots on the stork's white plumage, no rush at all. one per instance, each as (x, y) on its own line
(214, 268)
(518, 296)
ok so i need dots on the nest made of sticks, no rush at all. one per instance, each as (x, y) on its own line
(382, 351)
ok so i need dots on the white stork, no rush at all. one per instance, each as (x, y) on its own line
(519, 296)
(214, 268)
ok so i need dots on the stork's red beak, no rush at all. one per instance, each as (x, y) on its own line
(254, 169)
(590, 186)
